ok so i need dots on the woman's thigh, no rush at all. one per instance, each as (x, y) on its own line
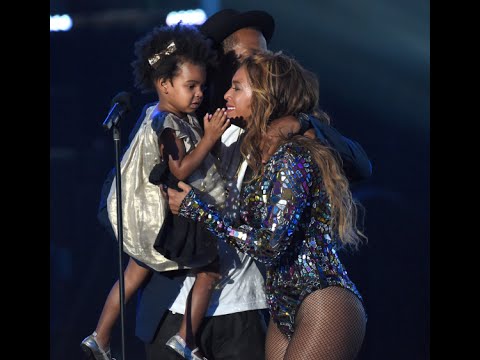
(276, 343)
(330, 324)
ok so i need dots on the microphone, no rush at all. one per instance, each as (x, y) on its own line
(120, 106)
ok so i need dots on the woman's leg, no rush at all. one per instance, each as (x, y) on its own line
(330, 324)
(134, 277)
(276, 343)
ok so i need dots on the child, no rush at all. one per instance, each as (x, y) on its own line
(172, 61)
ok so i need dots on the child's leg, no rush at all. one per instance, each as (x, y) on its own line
(197, 305)
(134, 277)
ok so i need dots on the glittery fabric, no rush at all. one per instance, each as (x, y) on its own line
(285, 222)
(143, 205)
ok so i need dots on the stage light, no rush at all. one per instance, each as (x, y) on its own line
(60, 23)
(194, 17)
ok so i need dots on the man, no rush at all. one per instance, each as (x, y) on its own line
(235, 35)
(234, 327)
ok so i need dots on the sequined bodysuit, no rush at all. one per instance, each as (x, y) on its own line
(285, 222)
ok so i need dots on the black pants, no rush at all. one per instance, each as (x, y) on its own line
(236, 336)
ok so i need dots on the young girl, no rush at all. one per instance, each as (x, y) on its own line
(171, 61)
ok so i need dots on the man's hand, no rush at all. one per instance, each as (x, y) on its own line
(278, 129)
(175, 197)
(310, 133)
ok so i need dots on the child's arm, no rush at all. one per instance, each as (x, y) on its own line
(181, 165)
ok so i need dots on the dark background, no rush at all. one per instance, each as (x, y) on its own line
(372, 58)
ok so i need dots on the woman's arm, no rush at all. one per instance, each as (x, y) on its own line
(285, 189)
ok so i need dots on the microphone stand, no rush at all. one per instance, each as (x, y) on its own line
(118, 181)
(121, 105)
(118, 177)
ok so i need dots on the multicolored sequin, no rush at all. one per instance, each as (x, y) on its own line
(285, 222)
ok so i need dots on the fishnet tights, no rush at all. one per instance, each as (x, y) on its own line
(329, 325)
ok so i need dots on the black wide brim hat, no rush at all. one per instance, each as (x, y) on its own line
(225, 22)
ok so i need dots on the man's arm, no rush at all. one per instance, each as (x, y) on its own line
(356, 164)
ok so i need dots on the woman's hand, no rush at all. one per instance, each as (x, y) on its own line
(175, 197)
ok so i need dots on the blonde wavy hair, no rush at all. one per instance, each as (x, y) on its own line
(281, 87)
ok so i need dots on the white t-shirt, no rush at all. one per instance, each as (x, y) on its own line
(242, 285)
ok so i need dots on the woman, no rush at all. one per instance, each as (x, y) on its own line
(296, 211)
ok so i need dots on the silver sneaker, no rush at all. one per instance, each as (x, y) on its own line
(177, 344)
(93, 350)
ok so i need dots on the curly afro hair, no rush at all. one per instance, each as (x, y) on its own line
(191, 46)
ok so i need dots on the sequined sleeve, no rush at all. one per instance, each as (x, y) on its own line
(284, 192)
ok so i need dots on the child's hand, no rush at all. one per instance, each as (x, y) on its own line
(216, 124)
